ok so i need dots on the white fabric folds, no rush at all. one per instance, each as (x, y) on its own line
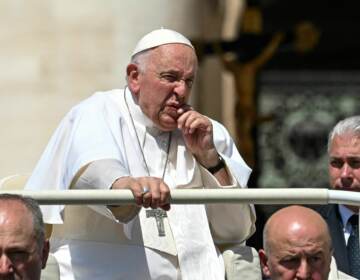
(99, 128)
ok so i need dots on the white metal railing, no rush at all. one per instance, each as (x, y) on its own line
(199, 196)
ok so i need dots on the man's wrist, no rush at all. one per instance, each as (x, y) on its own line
(220, 165)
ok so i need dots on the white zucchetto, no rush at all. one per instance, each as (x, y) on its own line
(160, 37)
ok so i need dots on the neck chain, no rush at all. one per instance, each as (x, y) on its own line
(138, 141)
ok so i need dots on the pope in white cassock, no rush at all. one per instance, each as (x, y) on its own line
(146, 138)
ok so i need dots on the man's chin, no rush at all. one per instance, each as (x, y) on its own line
(168, 125)
(168, 119)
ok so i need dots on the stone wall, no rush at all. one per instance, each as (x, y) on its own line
(55, 53)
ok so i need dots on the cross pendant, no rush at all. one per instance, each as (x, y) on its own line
(159, 216)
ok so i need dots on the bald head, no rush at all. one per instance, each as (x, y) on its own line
(297, 245)
(295, 221)
(24, 250)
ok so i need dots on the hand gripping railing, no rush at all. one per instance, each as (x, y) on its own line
(199, 196)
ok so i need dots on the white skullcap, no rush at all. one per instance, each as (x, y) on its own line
(160, 37)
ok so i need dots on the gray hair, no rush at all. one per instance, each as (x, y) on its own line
(349, 125)
(141, 59)
(34, 209)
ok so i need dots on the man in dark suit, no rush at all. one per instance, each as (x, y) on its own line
(344, 173)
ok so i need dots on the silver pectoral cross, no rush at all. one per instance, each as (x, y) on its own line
(159, 216)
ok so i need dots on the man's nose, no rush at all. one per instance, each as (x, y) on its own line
(6, 266)
(304, 270)
(346, 176)
(181, 89)
(346, 170)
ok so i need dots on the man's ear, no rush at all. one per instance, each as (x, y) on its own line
(132, 73)
(45, 253)
(264, 263)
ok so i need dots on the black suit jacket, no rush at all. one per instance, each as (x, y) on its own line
(332, 216)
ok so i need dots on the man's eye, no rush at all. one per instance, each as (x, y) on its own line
(18, 256)
(290, 262)
(168, 77)
(336, 163)
(189, 83)
(354, 163)
(314, 259)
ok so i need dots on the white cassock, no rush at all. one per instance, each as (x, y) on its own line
(89, 243)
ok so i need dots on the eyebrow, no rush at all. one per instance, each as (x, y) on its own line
(344, 159)
(176, 72)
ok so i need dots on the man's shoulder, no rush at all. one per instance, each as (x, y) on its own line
(100, 97)
(326, 211)
(97, 101)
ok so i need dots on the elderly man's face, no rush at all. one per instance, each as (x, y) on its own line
(162, 90)
(301, 254)
(20, 255)
(344, 162)
(299, 262)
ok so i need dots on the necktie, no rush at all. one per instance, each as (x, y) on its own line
(353, 247)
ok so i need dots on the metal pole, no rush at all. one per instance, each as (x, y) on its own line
(199, 196)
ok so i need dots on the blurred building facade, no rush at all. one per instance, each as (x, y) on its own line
(55, 53)
(277, 73)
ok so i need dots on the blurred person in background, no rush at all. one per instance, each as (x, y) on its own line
(344, 173)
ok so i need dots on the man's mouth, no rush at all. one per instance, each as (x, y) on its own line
(347, 188)
(172, 111)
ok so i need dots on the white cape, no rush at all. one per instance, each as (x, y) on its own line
(99, 128)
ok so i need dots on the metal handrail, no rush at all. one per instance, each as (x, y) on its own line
(198, 196)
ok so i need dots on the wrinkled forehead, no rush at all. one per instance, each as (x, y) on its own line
(15, 219)
(312, 232)
(296, 246)
(174, 55)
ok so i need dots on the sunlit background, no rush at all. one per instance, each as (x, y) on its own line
(277, 73)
